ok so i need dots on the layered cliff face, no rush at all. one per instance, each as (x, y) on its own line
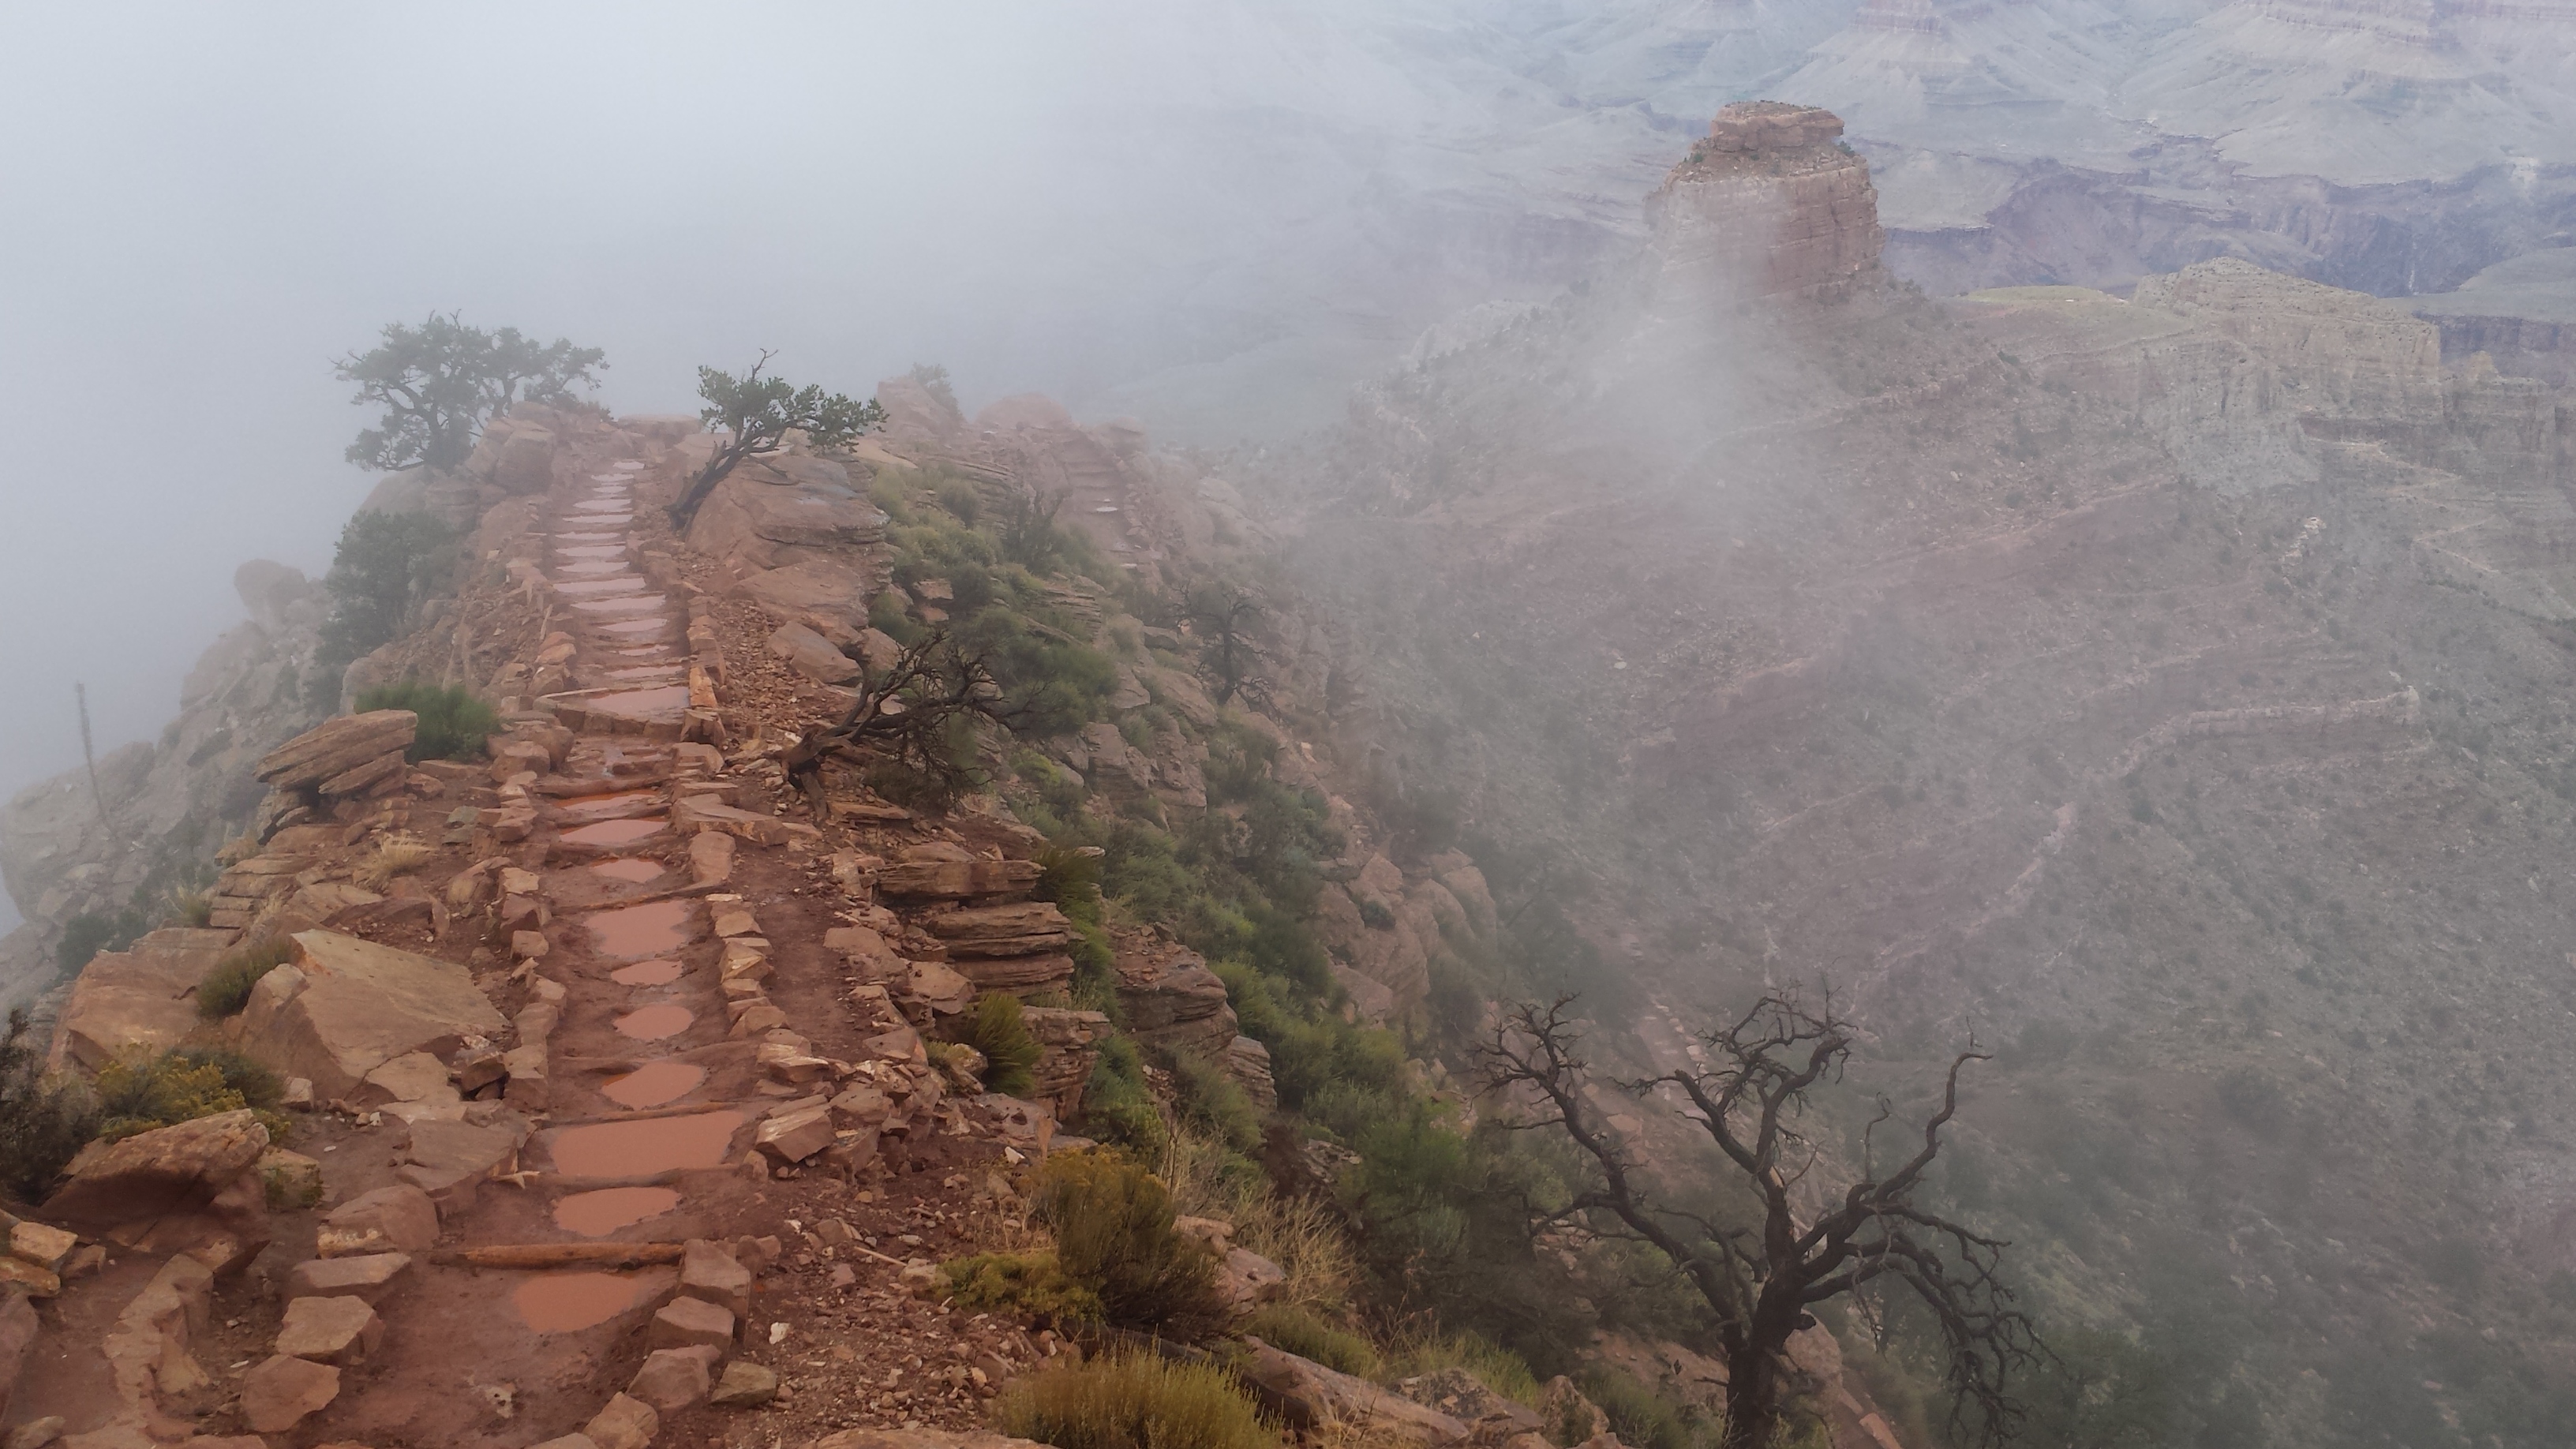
(167, 804)
(2168, 689)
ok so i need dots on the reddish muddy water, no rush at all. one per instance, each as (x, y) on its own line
(646, 973)
(627, 604)
(656, 1023)
(653, 929)
(632, 869)
(669, 699)
(644, 627)
(570, 1302)
(597, 1214)
(694, 1143)
(619, 803)
(615, 832)
(654, 1084)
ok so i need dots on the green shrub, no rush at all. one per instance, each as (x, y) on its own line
(1032, 1287)
(140, 1093)
(1641, 1417)
(43, 1123)
(227, 986)
(453, 723)
(87, 934)
(1112, 1222)
(1134, 1401)
(1210, 1098)
(1001, 1033)
(1116, 1107)
(960, 498)
(1300, 1332)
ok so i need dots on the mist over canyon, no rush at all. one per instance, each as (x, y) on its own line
(1351, 587)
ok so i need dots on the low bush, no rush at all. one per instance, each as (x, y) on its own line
(140, 1093)
(226, 988)
(43, 1122)
(1210, 1099)
(1134, 1401)
(1494, 1366)
(1300, 1332)
(453, 723)
(1116, 1106)
(1001, 1033)
(1032, 1287)
(1112, 1222)
(1641, 1417)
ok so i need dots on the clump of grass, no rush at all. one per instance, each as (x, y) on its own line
(1496, 1367)
(1032, 1287)
(226, 988)
(1001, 1033)
(193, 908)
(453, 723)
(1133, 1401)
(1304, 1236)
(1301, 1332)
(1112, 1222)
(393, 855)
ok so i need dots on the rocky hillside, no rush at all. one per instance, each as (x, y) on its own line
(2170, 692)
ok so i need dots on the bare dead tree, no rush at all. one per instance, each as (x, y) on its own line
(1756, 1267)
(904, 716)
(1231, 658)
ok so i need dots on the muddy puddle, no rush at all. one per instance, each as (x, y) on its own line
(593, 568)
(612, 833)
(692, 1143)
(631, 870)
(637, 626)
(659, 1022)
(601, 588)
(570, 1302)
(656, 928)
(597, 1214)
(646, 973)
(654, 1084)
(668, 699)
(619, 804)
(628, 604)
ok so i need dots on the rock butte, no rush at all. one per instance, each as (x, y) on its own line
(570, 1302)
(633, 869)
(597, 1214)
(656, 1023)
(653, 1084)
(615, 832)
(694, 1143)
(652, 929)
(647, 973)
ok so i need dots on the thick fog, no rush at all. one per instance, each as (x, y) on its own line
(1197, 214)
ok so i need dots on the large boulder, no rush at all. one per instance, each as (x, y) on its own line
(1307, 1394)
(335, 747)
(1022, 928)
(812, 655)
(172, 1187)
(1172, 1000)
(142, 998)
(344, 1007)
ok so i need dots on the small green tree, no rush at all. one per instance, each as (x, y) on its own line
(756, 413)
(386, 568)
(438, 382)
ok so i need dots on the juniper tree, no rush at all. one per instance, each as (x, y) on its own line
(1758, 1262)
(441, 381)
(755, 414)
